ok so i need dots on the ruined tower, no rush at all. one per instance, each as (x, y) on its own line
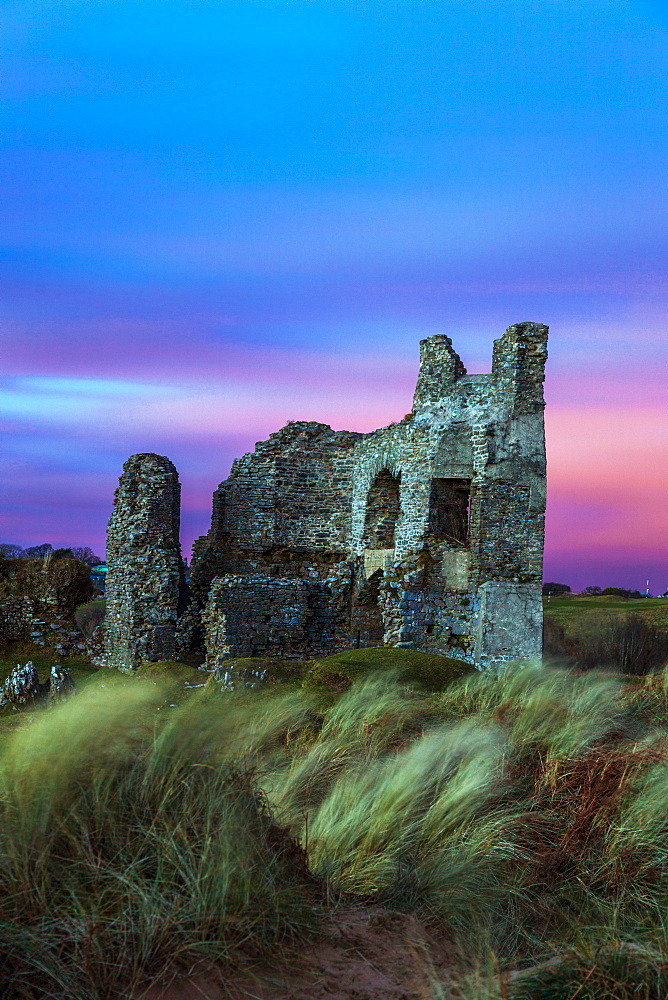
(426, 534)
(145, 589)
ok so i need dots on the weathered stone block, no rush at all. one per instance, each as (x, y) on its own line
(510, 625)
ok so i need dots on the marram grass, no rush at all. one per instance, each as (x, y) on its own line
(524, 814)
(126, 848)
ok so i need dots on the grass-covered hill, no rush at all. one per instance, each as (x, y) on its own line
(369, 829)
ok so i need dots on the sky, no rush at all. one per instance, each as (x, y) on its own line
(221, 215)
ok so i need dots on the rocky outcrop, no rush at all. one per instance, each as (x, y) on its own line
(61, 683)
(23, 688)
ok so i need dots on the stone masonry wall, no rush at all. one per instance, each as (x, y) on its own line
(284, 509)
(259, 615)
(145, 584)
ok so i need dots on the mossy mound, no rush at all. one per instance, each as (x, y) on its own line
(425, 670)
(170, 670)
(335, 674)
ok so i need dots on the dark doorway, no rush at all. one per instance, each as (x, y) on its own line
(366, 620)
(449, 510)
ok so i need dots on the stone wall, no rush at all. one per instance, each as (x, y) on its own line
(26, 619)
(427, 533)
(145, 584)
(284, 509)
(260, 615)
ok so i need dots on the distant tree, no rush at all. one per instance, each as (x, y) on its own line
(37, 551)
(10, 551)
(592, 591)
(617, 592)
(85, 555)
(555, 588)
(63, 554)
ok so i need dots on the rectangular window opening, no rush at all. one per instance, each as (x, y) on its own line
(450, 511)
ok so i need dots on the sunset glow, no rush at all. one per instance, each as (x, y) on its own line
(221, 217)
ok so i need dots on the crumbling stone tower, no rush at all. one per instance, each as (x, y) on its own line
(146, 590)
(426, 534)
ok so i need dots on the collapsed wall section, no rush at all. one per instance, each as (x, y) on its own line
(145, 583)
(283, 511)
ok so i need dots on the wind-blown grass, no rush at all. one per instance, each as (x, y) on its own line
(525, 813)
(523, 819)
(125, 850)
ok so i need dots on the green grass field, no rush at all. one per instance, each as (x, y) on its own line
(578, 615)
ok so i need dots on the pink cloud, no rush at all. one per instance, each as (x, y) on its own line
(91, 395)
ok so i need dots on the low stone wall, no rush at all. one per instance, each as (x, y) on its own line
(26, 619)
(267, 616)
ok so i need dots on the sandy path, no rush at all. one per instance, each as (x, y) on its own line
(367, 954)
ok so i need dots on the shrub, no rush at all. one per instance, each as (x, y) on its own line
(69, 580)
(63, 553)
(626, 643)
(555, 644)
(89, 616)
(5, 567)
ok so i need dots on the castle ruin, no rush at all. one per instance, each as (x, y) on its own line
(426, 534)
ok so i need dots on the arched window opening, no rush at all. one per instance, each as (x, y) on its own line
(449, 510)
(382, 511)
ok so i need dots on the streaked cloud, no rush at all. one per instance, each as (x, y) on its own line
(220, 217)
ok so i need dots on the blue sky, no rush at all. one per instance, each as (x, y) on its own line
(221, 215)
